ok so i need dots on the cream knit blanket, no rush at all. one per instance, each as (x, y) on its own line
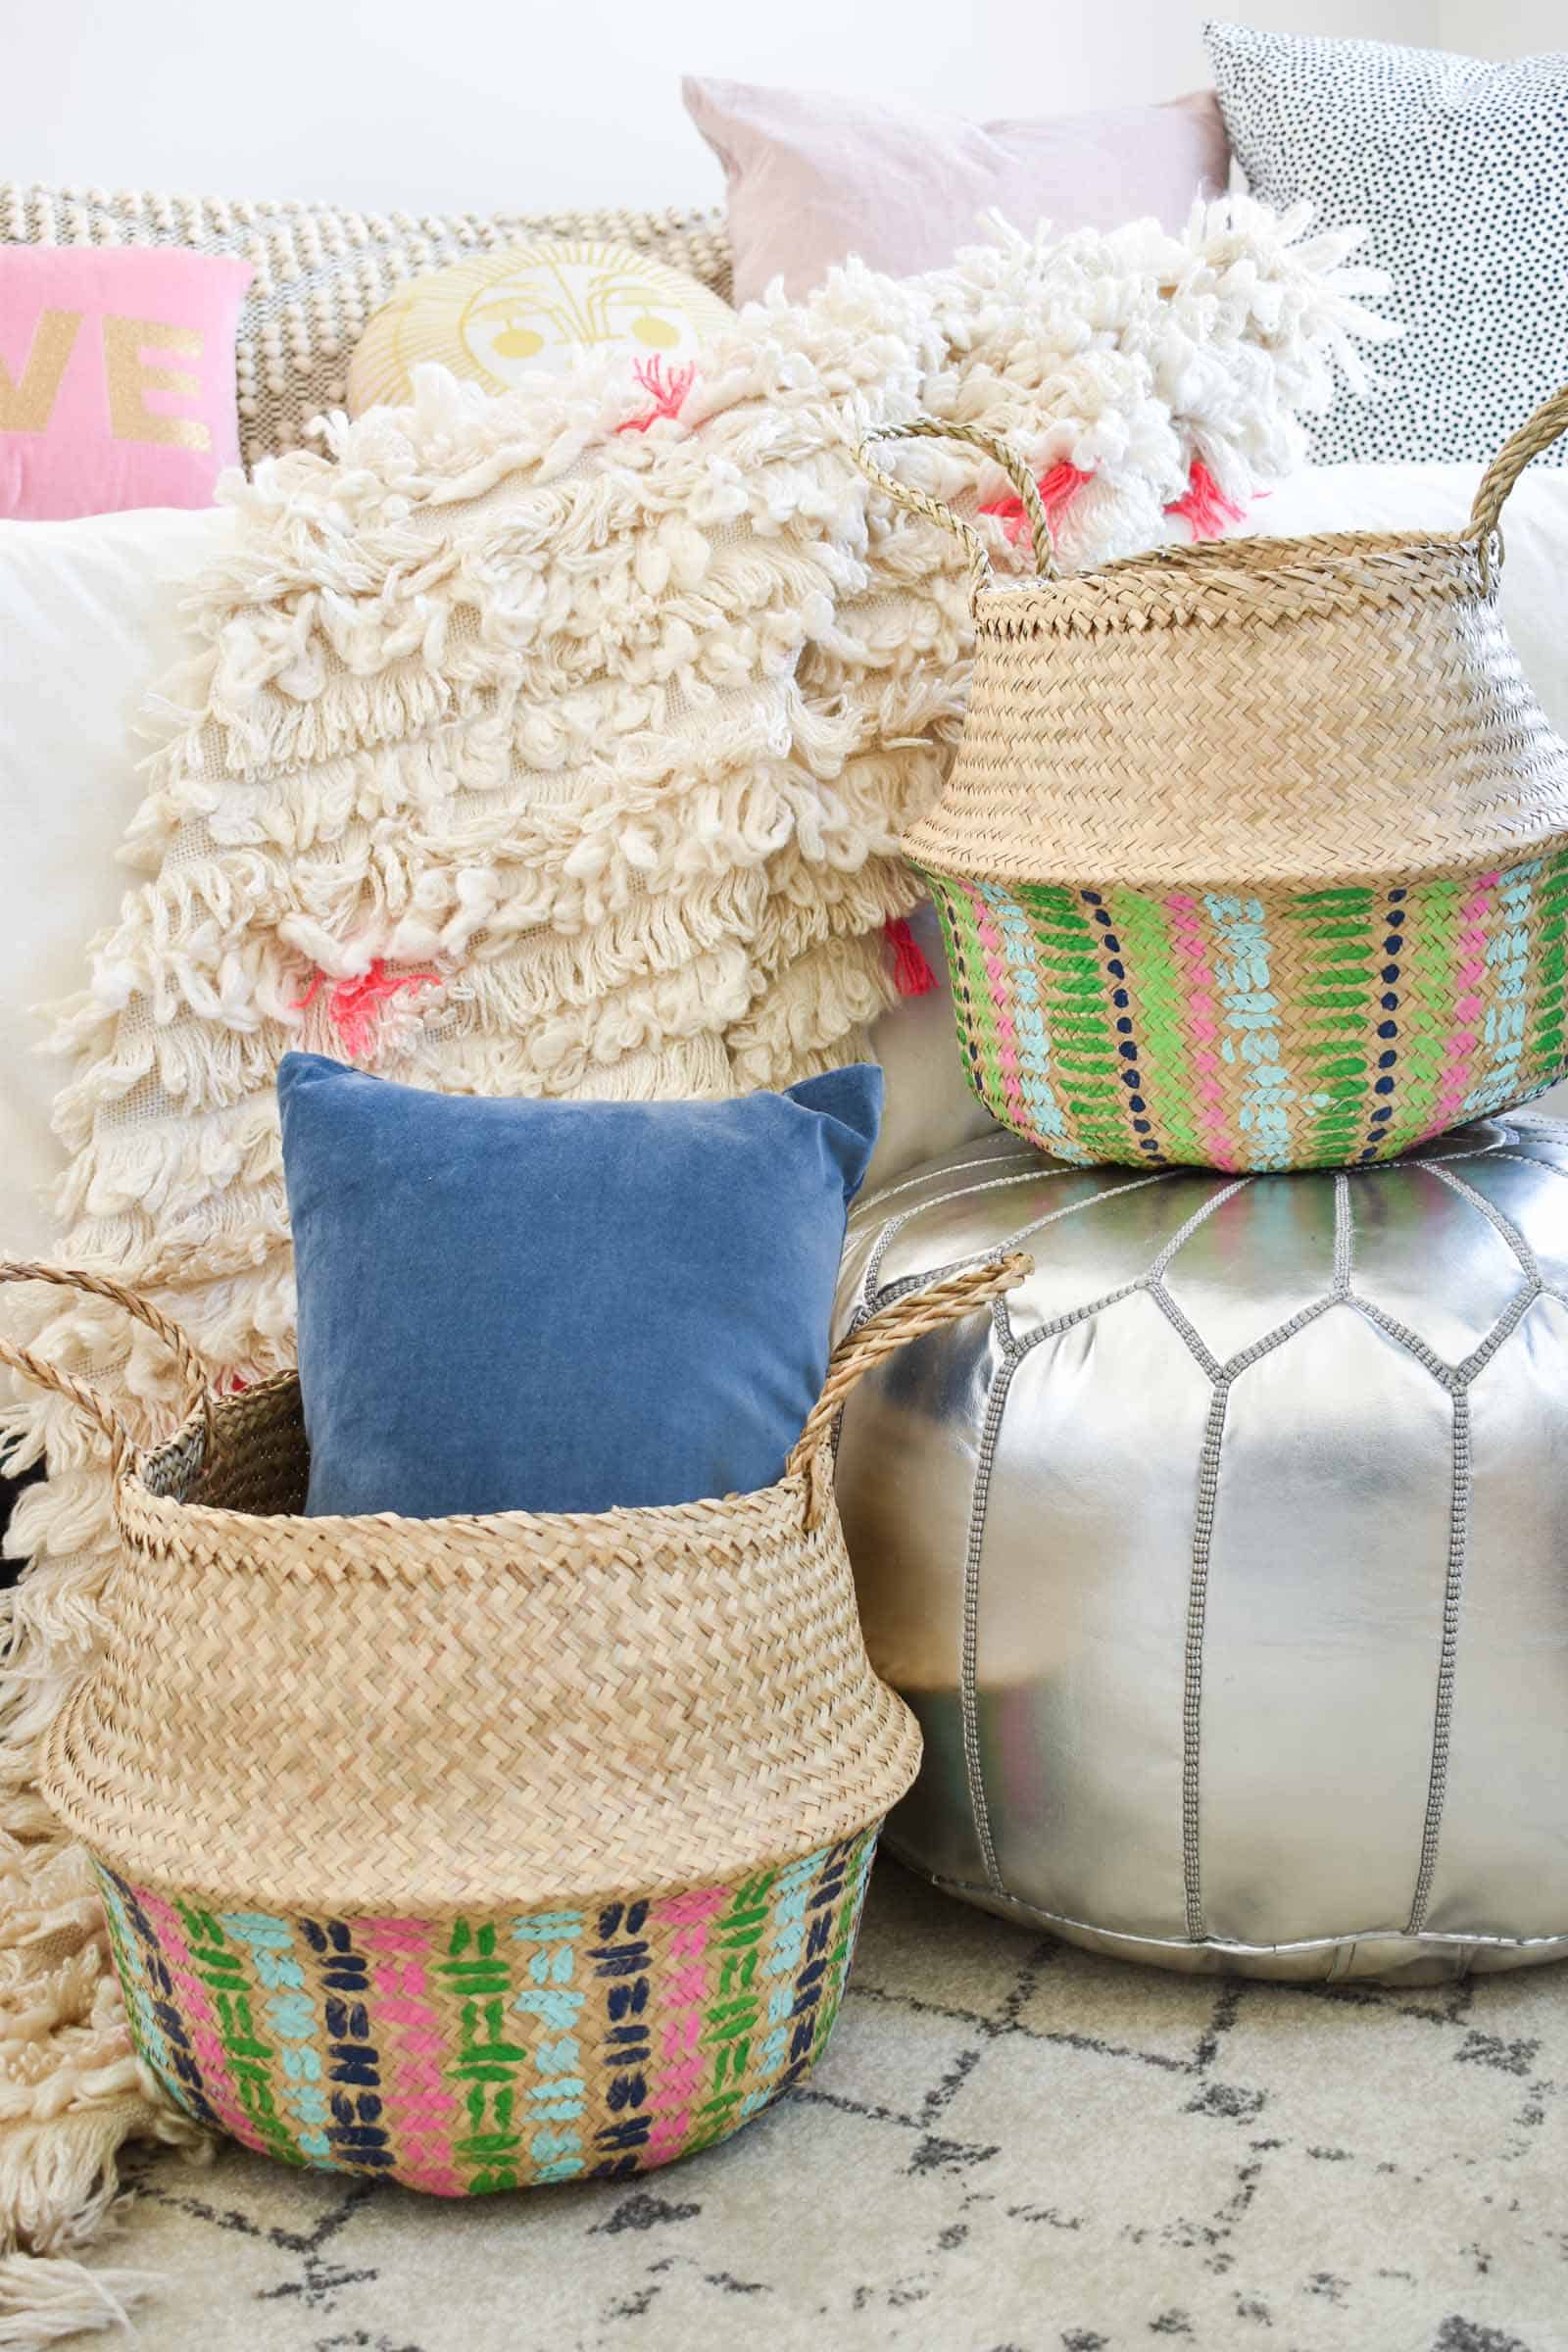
(558, 744)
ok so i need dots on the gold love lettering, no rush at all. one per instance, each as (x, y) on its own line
(131, 375)
(133, 367)
(26, 406)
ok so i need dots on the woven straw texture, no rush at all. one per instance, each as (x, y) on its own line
(438, 1716)
(1254, 854)
(322, 271)
(353, 1785)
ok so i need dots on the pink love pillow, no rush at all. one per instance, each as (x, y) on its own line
(117, 378)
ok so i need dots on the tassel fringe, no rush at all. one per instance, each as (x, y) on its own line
(42, 2300)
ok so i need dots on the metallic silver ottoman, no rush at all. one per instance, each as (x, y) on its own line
(1226, 1562)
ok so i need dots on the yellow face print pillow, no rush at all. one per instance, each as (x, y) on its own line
(502, 316)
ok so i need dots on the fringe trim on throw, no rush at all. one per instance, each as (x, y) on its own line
(71, 2090)
(519, 751)
(42, 2300)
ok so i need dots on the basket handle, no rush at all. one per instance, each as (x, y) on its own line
(87, 1401)
(1537, 434)
(917, 501)
(883, 1335)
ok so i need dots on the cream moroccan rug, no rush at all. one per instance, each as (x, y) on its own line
(1009, 2148)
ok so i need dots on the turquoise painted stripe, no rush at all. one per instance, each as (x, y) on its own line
(1029, 1021)
(1508, 957)
(1252, 1019)
(292, 2019)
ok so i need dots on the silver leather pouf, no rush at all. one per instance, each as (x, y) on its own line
(1226, 1562)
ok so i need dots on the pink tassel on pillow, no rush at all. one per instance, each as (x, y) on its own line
(1058, 486)
(354, 1005)
(668, 392)
(1204, 506)
(913, 976)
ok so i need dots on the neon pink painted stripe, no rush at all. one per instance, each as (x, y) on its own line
(194, 2001)
(1468, 974)
(1202, 1027)
(417, 2103)
(996, 955)
(679, 2079)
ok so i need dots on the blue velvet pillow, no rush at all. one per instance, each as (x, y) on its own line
(561, 1306)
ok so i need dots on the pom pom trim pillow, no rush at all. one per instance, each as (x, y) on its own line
(117, 378)
(561, 1306)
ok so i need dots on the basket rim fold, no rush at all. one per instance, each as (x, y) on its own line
(532, 1710)
(941, 861)
(1244, 582)
(251, 1887)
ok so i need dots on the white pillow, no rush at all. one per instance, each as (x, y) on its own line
(89, 615)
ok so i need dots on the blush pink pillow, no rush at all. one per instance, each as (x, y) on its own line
(117, 378)
(813, 179)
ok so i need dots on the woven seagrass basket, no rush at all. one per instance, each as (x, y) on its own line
(1254, 855)
(478, 1852)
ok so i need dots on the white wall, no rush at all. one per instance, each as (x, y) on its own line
(538, 102)
(1517, 28)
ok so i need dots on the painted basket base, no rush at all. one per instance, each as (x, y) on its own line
(468, 2055)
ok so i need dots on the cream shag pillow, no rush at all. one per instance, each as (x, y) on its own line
(322, 271)
(503, 317)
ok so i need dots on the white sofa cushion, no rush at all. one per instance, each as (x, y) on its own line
(89, 613)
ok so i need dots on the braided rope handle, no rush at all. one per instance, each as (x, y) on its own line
(87, 1401)
(1534, 436)
(883, 1335)
(917, 501)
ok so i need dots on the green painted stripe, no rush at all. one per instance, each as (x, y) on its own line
(977, 1029)
(1072, 997)
(1426, 1015)
(1329, 1010)
(1166, 1065)
(1545, 1053)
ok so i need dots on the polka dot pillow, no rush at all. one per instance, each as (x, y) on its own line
(1459, 169)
